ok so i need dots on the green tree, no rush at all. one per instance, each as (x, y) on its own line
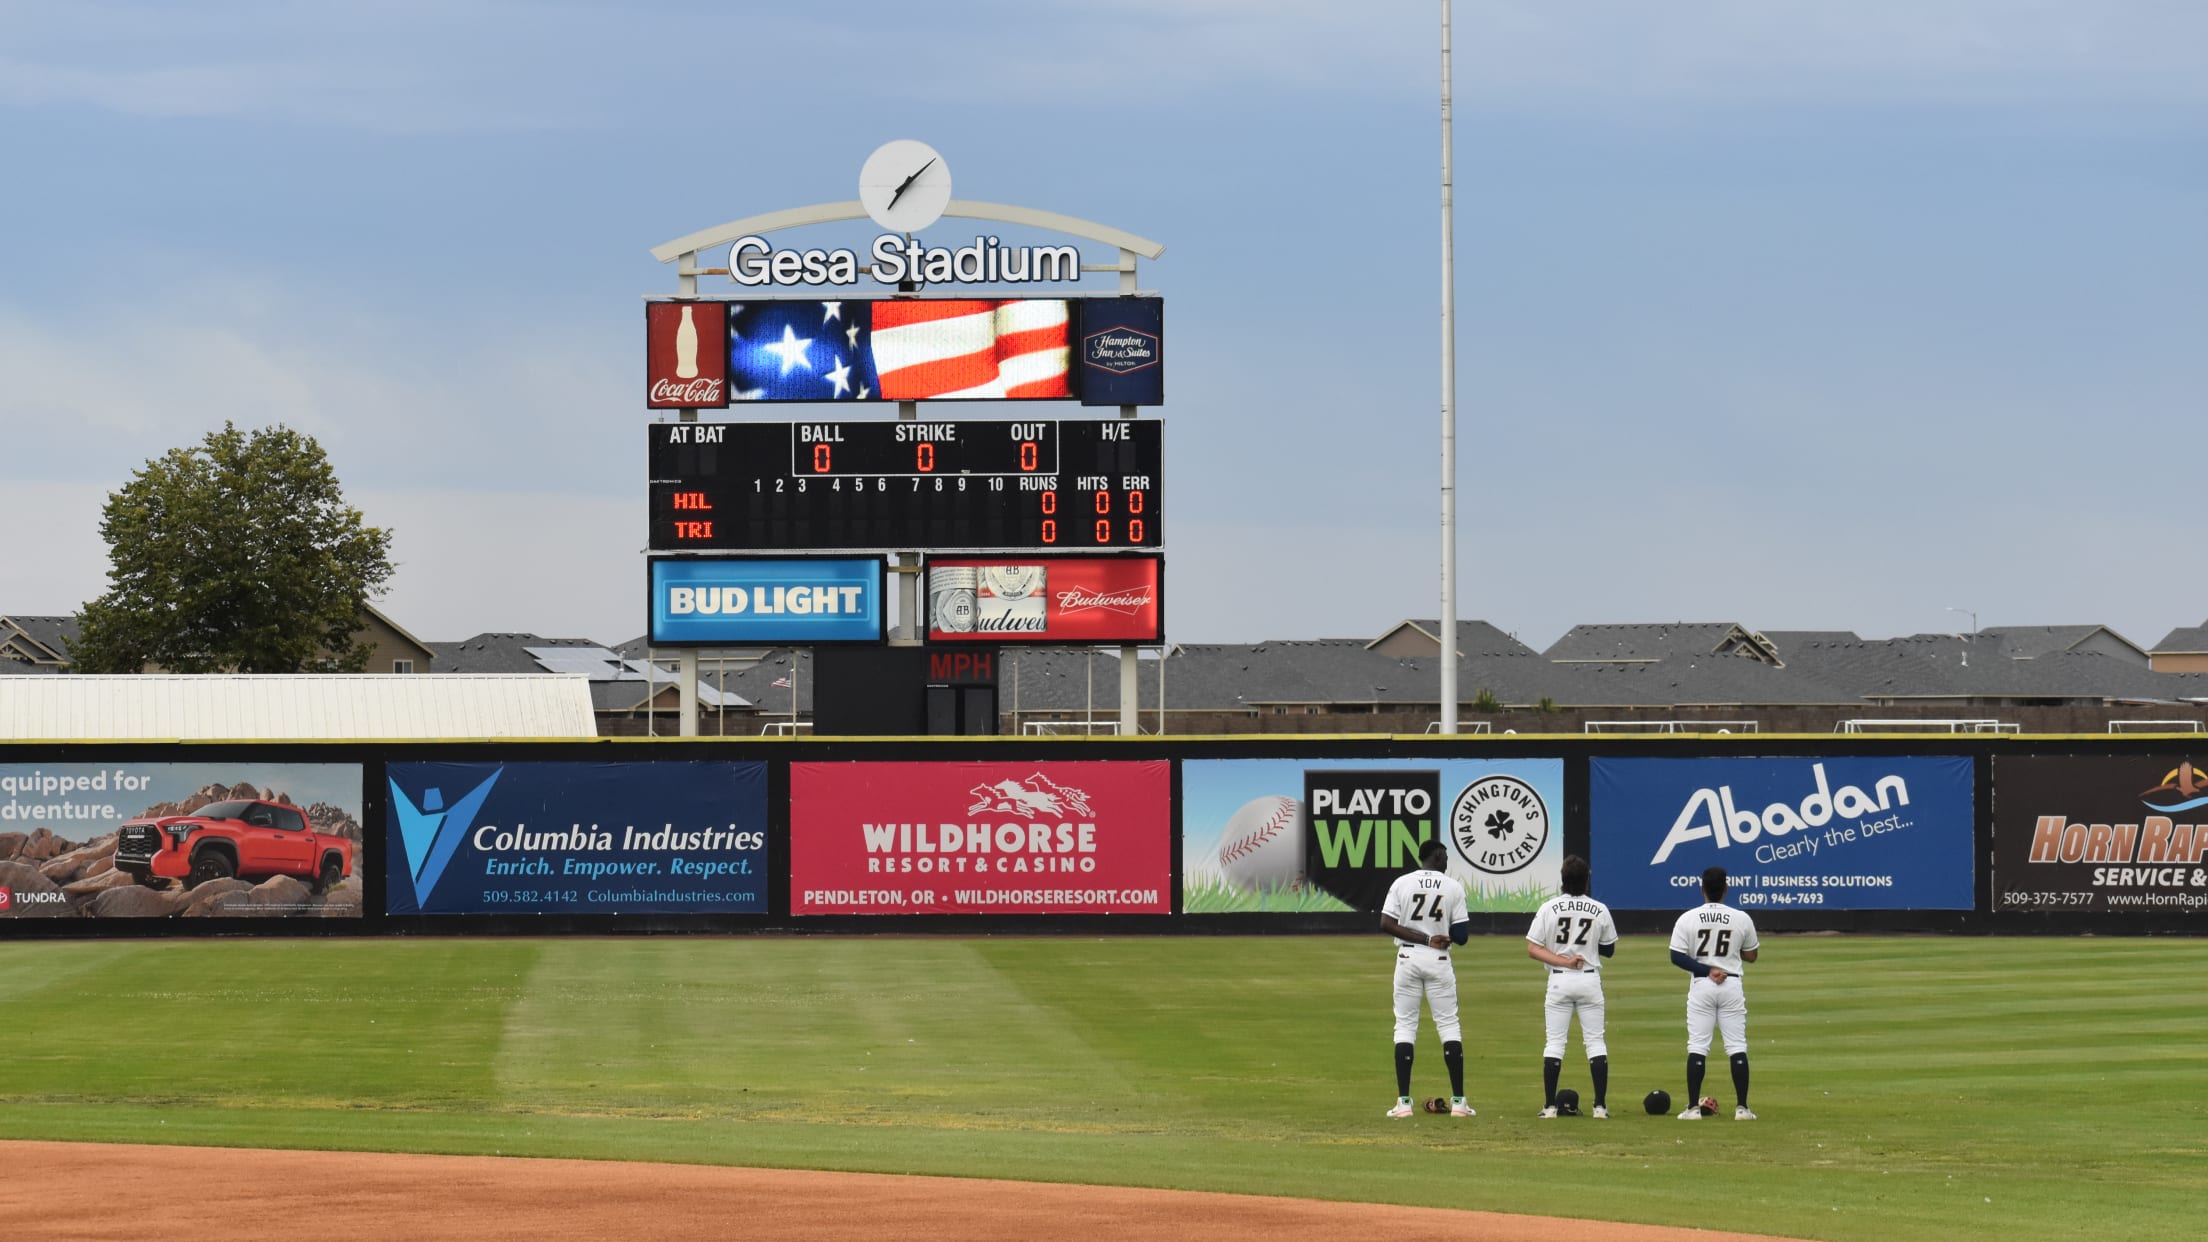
(1485, 701)
(238, 554)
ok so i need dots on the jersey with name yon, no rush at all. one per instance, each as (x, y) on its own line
(1715, 934)
(1569, 925)
(1427, 902)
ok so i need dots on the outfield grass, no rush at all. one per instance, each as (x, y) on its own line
(1909, 1087)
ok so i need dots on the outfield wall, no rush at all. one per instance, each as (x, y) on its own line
(1980, 834)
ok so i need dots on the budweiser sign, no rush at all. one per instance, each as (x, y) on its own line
(685, 355)
(1125, 602)
(1046, 599)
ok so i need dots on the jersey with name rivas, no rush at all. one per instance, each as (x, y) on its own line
(1569, 925)
(1427, 902)
(1715, 934)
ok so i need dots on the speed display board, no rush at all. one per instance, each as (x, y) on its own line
(1063, 485)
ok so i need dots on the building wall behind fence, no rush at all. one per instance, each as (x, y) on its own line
(1259, 834)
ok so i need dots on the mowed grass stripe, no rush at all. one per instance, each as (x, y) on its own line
(1912, 1087)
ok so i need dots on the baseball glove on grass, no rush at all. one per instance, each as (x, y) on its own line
(1437, 1104)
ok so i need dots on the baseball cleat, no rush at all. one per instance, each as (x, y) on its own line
(1601, 1113)
(1546, 1113)
(1741, 1113)
(1402, 1109)
(1692, 1114)
(1458, 1108)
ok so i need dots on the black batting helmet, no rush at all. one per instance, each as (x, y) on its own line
(1658, 1103)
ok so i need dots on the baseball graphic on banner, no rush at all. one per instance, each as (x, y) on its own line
(1262, 846)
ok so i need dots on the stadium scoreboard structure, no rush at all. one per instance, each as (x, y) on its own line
(1037, 485)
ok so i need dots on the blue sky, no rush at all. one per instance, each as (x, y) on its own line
(1806, 315)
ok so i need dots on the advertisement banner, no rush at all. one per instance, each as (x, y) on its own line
(186, 840)
(2122, 833)
(1313, 835)
(1123, 351)
(1830, 833)
(576, 838)
(907, 349)
(982, 837)
(685, 366)
(753, 601)
(1053, 600)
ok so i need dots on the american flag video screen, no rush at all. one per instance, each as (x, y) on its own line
(1099, 351)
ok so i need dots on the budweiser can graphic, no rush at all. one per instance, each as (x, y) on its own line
(685, 355)
(951, 604)
(1011, 599)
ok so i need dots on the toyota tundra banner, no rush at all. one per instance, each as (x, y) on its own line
(132, 840)
(2121, 833)
(981, 837)
(1839, 832)
(1046, 600)
(659, 837)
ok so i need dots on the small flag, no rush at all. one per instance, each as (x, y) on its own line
(782, 682)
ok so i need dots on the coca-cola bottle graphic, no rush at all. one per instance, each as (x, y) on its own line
(686, 347)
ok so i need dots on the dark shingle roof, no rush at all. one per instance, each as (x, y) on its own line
(1473, 637)
(1658, 641)
(498, 653)
(2188, 639)
(54, 634)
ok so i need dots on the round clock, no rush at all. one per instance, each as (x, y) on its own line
(905, 185)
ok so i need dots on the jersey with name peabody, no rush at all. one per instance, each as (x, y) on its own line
(1427, 902)
(1715, 934)
(1568, 925)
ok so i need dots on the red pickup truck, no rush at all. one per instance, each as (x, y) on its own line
(244, 838)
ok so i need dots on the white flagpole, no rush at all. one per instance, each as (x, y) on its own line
(1448, 402)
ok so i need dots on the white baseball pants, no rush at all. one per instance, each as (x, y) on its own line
(1570, 992)
(1425, 974)
(1720, 1005)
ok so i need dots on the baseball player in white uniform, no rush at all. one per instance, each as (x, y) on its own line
(1710, 942)
(1563, 931)
(1424, 912)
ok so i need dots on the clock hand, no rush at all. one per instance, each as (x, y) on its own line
(906, 184)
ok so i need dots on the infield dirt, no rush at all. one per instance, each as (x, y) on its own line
(271, 1196)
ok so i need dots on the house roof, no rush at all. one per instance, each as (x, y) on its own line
(288, 706)
(2027, 642)
(1635, 642)
(2185, 640)
(498, 652)
(50, 636)
(1473, 637)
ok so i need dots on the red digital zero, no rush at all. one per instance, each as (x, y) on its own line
(686, 355)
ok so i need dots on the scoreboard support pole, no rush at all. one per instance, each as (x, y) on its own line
(1130, 668)
(686, 677)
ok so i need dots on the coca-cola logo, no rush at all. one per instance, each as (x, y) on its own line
(1127, 603)
(699, 391)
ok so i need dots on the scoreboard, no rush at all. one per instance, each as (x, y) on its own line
(1045, 485)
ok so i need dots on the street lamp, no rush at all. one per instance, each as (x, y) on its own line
(1973, 620)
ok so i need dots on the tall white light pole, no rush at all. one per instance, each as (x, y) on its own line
(1448, 404)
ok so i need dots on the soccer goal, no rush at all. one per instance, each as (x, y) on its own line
(2155, 726)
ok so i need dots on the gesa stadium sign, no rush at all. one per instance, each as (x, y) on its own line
(754, 261)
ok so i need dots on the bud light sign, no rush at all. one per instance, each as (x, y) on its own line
(734, 602)
(1844, 833)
